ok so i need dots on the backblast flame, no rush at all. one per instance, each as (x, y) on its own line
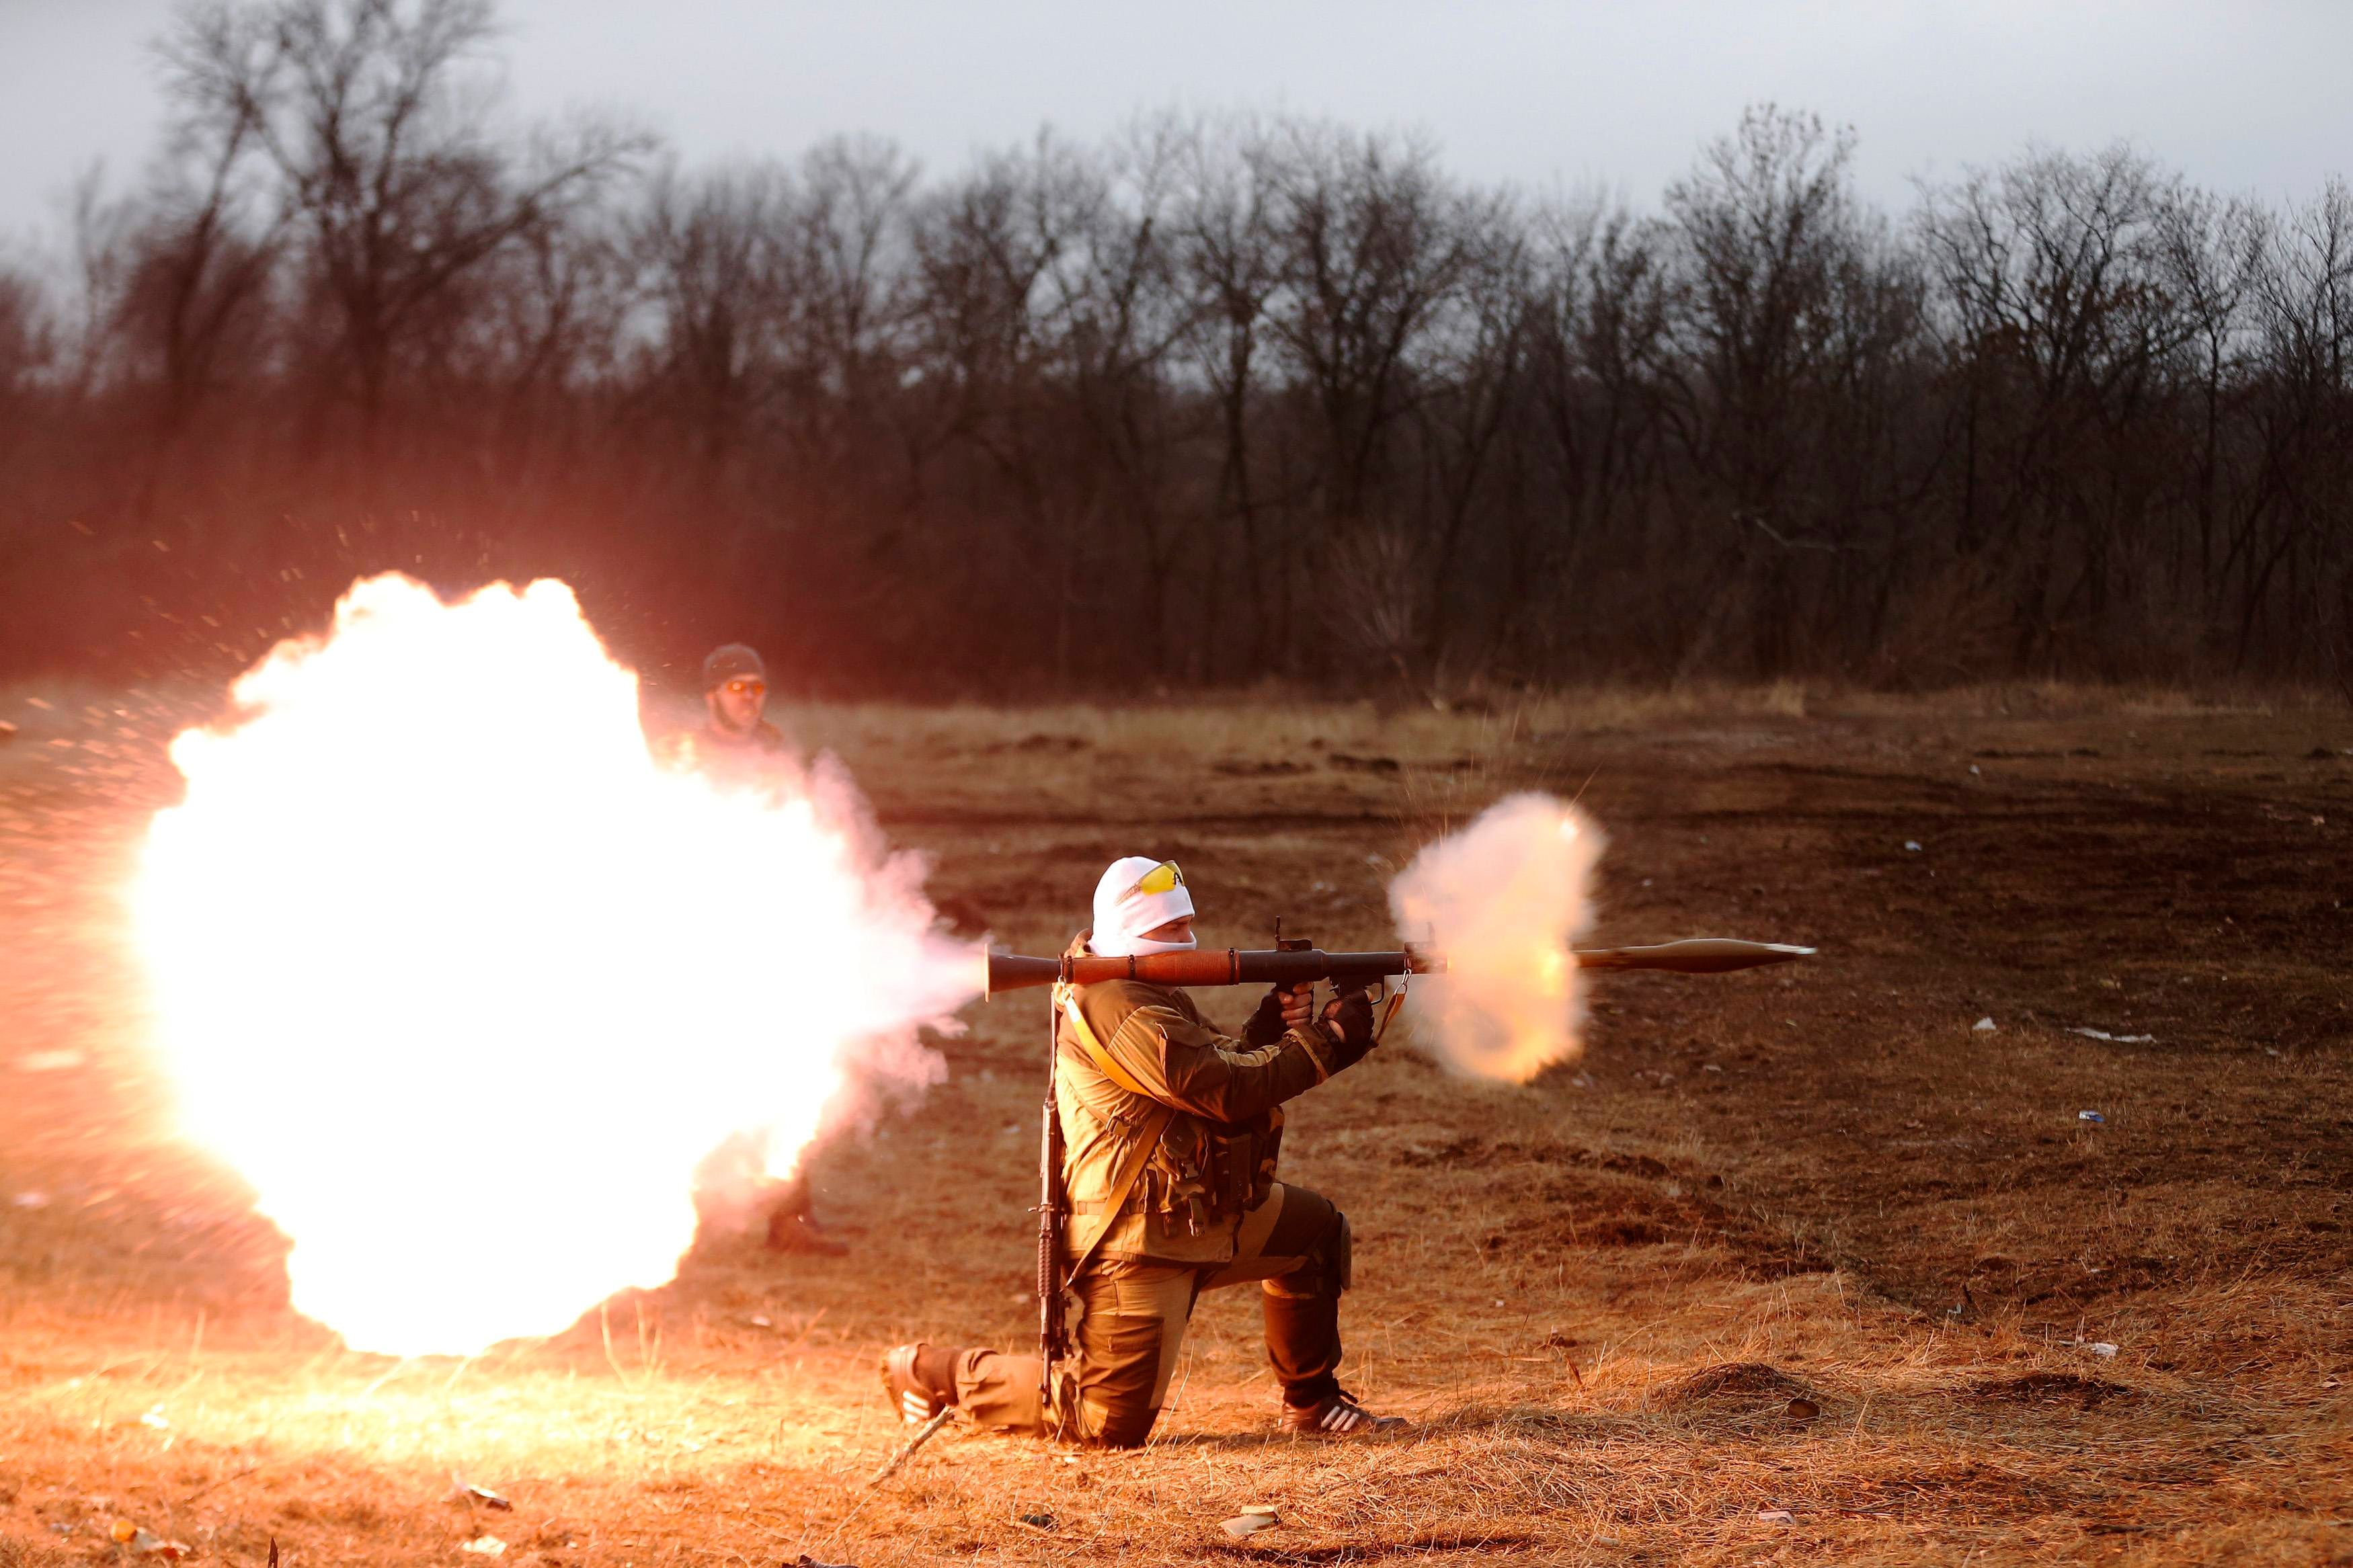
(1502, 900)
(466, 985)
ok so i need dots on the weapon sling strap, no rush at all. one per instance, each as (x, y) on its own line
(1139, 1154)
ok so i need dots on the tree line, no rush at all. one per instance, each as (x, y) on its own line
(1213, 401)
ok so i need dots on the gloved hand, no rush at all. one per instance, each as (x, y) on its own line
(1266, 1025)
(1348, 1020)
(1281, 1009)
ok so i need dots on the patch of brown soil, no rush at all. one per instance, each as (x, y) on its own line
(1597, 1295)
(1739, 1382)
(2045, 1387)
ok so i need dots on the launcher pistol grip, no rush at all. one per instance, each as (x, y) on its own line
(1296, 944)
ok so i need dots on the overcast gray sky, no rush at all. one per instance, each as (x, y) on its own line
(2243, 95)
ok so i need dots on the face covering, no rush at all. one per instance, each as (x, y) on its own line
(1126, 908)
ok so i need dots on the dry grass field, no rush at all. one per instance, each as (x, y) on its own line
(1608, 1301)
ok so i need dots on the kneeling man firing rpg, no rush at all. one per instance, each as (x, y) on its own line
(1170, 1132)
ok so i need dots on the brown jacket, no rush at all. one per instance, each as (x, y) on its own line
(712, 750)
(1216, 1085)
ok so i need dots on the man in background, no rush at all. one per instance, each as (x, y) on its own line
(735, 744)
(735, 740)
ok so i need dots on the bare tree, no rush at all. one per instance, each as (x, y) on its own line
(1477, 371)
(989, 249)
(379, 127)
(1207, 400)
(542, 335)
(849, 268)
(1599, 334)
(2213, 252)
(1113, 317)
(2300, 527)
(86, 322)
(204, 246)
(1764, 222)
(27, 347)
(1228, 266)
(1372, 240)
(713, 255)
(1597, 359)
(2054, 303)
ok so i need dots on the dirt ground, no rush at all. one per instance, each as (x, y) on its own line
(1792, 1266)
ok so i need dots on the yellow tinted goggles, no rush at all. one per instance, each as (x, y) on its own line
(1159, 879)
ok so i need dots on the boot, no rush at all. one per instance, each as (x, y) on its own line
(801, 1232)
(919, 1381)
(1338, 1415)
(793, 1225)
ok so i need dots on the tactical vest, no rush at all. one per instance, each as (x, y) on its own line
(1198, 1179)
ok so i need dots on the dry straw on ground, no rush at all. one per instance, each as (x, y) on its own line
(1795, 1243)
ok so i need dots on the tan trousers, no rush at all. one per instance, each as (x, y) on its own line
(1132, 1319)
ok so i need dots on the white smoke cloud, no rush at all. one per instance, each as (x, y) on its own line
(1502, 900)
(466, 985)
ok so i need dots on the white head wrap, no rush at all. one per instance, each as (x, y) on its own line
(1123, 913)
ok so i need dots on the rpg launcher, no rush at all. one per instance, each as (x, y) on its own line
(1294, 964)
(1306, 966)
